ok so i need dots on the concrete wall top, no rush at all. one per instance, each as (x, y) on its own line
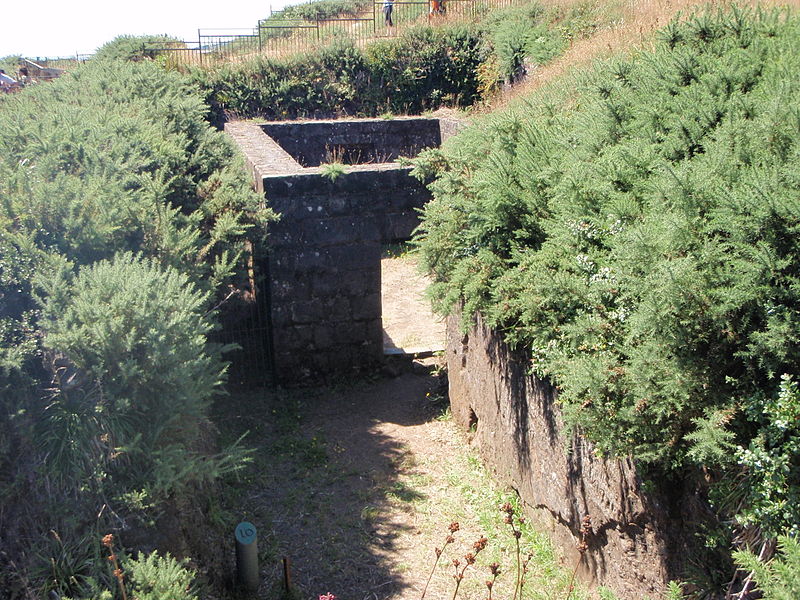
(382, 141)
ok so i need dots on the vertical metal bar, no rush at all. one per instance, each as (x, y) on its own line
(287, 578)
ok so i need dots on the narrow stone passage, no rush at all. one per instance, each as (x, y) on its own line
(357, 483)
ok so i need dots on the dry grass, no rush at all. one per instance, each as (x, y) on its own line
(634, 30)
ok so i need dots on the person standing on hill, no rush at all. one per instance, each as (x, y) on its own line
(388, 6)
(437, 8)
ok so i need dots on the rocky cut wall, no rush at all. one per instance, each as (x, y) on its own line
(515, 422)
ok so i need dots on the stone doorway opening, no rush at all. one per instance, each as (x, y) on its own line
(409, 324)
(324, 267)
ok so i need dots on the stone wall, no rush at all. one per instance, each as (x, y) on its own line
(520, 435)
(354, 141)
(323, 264)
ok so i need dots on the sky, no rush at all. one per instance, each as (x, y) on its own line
(51, 28)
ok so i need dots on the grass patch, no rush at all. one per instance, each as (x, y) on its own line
(398, 250)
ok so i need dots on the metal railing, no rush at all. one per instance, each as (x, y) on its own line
(276, 36)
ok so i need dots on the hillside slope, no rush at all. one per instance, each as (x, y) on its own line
(633, 227)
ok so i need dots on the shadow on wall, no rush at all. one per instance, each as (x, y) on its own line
(640, 537)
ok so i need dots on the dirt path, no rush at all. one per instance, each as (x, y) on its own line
(356, 485)
(409, 325)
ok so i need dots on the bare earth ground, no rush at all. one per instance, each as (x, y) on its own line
(409, 324)
(356, 486)
(356, 483)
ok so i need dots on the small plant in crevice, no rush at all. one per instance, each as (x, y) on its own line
(332, 170)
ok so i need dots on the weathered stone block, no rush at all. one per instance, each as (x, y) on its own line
(355, 256)
(367, 307)
(339, 308)
(400, 226)
(324, 336)
(312, 311)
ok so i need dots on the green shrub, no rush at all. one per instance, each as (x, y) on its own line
(521, 33)
(117, 156)
(133, 215)
(133, 338)
(778, 579)
(772, 501)
(423, 69)
(157, 577)
(149, 577)
(640, 239)
(635, 232)
(323, 9)
(134, 47)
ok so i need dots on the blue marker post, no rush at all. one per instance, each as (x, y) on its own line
(247, 556)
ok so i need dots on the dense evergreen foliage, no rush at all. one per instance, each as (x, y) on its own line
(123, 220)
(422, 69)
(779, 579)
(640, 238)
(134, 47)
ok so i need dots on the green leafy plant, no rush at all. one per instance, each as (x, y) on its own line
(629, 242)
(779, 578)
(770, 462)
(146, 577)
(154, 577)
(634, 232)
(333, 170)
(143, 374)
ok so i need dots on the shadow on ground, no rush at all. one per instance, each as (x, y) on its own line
(323, 488)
